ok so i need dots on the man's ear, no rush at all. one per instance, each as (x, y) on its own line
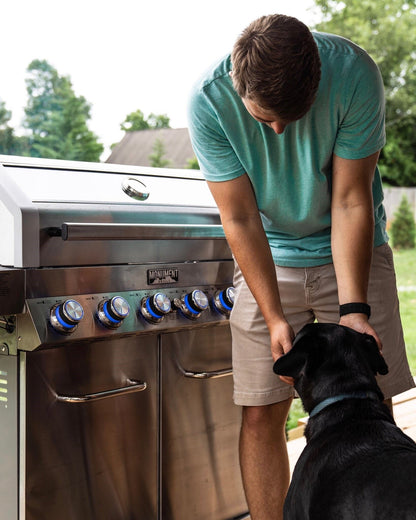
(291, 364)
(373, 356)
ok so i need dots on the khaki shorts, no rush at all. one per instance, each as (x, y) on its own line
(308, 294)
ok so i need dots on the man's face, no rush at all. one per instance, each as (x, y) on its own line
(264, 116)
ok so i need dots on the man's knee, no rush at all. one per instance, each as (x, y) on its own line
(269, 418)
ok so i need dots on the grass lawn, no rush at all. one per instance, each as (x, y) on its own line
(405, 263)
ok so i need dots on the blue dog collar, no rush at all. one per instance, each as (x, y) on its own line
(341, 397)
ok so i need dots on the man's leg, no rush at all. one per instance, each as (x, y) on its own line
(264, 459)
(265, 398)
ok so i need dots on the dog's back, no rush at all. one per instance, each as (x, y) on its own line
(364, 467)
(357, 463)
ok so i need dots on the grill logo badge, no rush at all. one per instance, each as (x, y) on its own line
(162, 276)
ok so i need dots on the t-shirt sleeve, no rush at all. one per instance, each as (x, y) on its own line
(362, 130)
(216, 156)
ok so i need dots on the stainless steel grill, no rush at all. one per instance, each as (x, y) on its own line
(115, 387)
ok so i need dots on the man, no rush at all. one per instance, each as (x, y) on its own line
(288, 132)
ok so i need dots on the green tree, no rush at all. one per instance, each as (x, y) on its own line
(156, 158)
(10, 144)
(192, 164)
(403, 229)
(386, 31)
(158, 121)
(136, 121)
(57, 118)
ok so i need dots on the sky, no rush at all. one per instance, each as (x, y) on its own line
(125, 55)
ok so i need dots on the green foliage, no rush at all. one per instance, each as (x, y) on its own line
(136, 121)
(386, 31)
(10, 144)
(296, 413)
(156, 158)
(57, 118)
(192, 164)
(403, 229)
(5, 115)
(405, 264)
(407, 312)
(158, 121)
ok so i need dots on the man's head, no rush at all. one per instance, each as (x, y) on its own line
(276, 68)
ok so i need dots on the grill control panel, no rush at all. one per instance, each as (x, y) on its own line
(92, 316)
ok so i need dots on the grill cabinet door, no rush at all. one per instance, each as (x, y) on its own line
(200, 427)
(93, 459)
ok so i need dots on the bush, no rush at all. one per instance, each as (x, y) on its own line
(403, 229)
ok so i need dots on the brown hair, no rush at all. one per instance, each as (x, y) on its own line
(276, 65)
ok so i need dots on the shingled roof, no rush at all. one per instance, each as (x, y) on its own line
(136, 147)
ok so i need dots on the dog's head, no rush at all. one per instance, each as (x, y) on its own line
(327, 359)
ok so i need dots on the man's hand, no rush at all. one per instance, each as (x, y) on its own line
(281, 337)
(359, 322)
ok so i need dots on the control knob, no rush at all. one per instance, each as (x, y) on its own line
(64, 317)
(193, 304)
(113, 311)
(224, 300)
(154, 308)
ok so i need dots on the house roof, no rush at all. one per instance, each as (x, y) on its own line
(136, 147)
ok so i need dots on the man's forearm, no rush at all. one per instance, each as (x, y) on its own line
(251, 250)
(352, 246)
(352, 225)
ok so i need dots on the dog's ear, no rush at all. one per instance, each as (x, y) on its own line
(373, 356)
(290, 364)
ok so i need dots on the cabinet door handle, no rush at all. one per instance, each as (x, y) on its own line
(133, 386)
(207, 375)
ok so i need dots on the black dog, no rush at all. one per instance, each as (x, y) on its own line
(357, 464)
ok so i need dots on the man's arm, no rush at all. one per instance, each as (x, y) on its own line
(246, 237)
(352, 234)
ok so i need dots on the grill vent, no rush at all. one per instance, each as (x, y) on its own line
(3, 389)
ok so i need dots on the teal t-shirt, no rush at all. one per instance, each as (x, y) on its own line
(291, 172)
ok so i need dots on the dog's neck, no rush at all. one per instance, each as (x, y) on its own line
(341, 397)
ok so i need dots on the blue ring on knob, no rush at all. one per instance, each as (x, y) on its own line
(61, 321)
(186, 299)
(107, 314)
(224, 303)
(151, 312)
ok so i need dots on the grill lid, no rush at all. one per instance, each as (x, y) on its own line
(50, 211)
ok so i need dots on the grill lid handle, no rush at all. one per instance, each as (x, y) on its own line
(76, 231)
